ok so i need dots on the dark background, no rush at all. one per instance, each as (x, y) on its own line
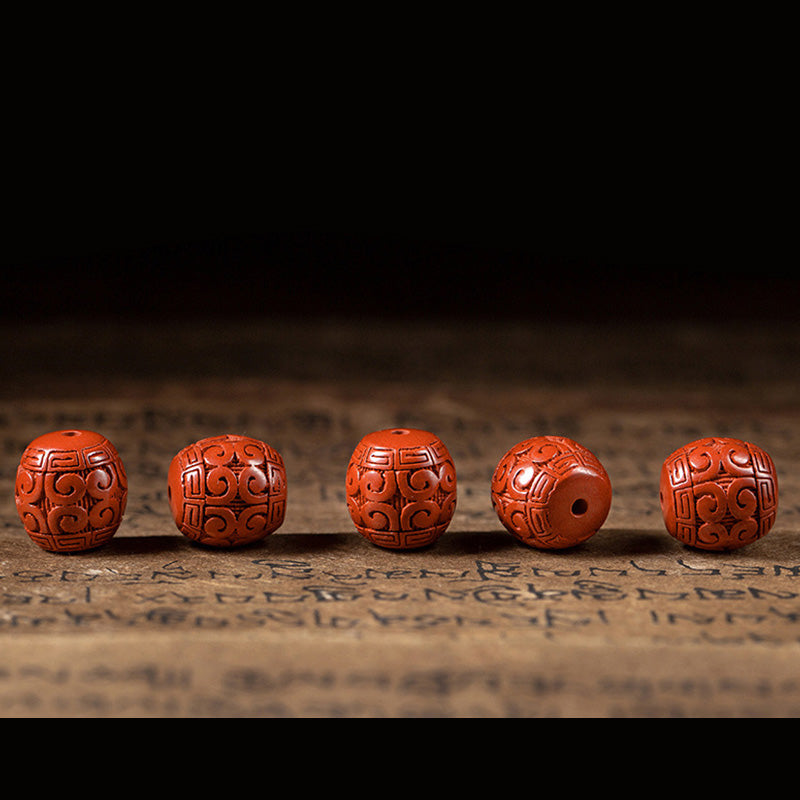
(589, 228)
(536, 271)
(441, 168)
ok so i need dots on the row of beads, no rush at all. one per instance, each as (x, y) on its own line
(550, 492)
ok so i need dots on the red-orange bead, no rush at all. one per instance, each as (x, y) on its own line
(401, 488)
(227, 491)
(71, 490)
(551, 492)
(718, 493)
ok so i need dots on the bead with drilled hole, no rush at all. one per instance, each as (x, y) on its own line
(551, 492)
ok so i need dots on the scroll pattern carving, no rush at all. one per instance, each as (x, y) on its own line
(401, 497)
(719, 493)
(71, 499)
(227, 490)
(524, 484)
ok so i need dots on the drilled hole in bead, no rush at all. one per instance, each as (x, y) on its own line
(71, 433)
(579, 507)
(399, 432)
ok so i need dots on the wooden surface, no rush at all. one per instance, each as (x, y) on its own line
(315, 622)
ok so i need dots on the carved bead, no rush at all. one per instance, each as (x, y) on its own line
(718, 493)
(551, 492)
(227, 491)
(401, 488)
(71, 490)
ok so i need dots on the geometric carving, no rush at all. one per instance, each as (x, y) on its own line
(401, 488)
(718, 493)
(227, 491)
(71, 490)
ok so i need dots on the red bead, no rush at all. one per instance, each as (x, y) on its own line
(551, 492)
(718, 493)
(71, 490)
(227, 491)
(401, 488)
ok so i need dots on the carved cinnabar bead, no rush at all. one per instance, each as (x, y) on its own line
(401, 488)
(71, 490)
(227, 491)
(718, 493)
(551, 492)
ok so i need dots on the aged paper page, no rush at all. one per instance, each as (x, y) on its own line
(317, 622)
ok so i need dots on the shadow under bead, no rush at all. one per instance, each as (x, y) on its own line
(718, 493)
(551, 492)
(401, 488)
(71, 491)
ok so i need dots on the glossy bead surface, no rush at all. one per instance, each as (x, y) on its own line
(551, 492)
(227, 491)
(718, 493)
(401, 488)
(71, 490)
